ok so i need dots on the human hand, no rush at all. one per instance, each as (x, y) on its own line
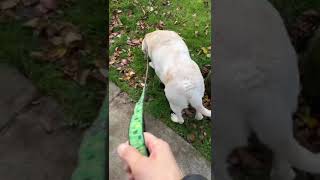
(160, 165)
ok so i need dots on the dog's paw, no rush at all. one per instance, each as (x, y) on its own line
(175, 119)
(199, 116)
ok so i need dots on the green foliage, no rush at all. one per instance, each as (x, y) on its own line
(185, 17)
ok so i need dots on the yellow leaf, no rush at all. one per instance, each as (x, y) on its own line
(310, 121)
(205, 50)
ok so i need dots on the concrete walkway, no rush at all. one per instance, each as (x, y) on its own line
(120, 111)
(34, 142)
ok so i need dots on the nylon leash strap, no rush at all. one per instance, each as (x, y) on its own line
(136, 126)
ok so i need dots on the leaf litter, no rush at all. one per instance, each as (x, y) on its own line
(62, 42)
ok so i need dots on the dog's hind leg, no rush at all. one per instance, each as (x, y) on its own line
(177, 102)
(177, 115)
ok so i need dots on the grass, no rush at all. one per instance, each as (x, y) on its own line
(80, 103)
(190, 17)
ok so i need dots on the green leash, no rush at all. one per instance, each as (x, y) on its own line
(136, 127)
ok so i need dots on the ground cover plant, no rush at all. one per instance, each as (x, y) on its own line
(129, 21)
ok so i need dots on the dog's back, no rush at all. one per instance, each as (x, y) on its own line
(256, 85)
(181, 76)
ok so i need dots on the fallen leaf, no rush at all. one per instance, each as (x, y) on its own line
(196, 33)
(134, 42)
(84, 76)
(41, 10)
(142, 25)
(56, 40)
(248, 160)
(160, 25)
(71, 37)
(129, 13)
(150, 8)
(37, 55)
(8, 4)
(191, 138)
(49, 4)
(50, 31)
(32, 23)
(99, 76)
(104, 72)
(124, 61)
(57, 53)
(71, 68)
(188, 113)
(205, 50)
(310, 121)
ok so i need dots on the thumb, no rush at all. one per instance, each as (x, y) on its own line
(128, 154)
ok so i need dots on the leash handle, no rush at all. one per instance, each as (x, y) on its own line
(136, 126)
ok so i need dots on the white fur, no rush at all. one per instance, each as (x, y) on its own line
(256, 87)
(181, 76)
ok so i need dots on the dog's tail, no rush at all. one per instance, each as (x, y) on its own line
(301, 158)
(144, 46)
(287, 146)
(195, 98)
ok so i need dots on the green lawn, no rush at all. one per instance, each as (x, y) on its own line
(80, 103)
(190, 18)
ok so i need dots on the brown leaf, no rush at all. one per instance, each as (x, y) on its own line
(188, 112)
(142, 25)
(100, 63)
(98, 76)
(56, 40)
(8, 4)
(134, 42)
(41, 9)
(49, 4)
(115, 56)
(104, 72)
(84, 76)
(124, 61)
(71, 37)
(37, 55)
(160, 25)
(71, 68)
(57, 53)
(32, 23)
(115, 22)
(248, 160)
(191, 138)
(50, 31)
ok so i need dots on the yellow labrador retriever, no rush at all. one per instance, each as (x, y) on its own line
(181, 76)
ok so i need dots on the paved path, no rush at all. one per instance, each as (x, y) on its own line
(120, 110)
(34, 143)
